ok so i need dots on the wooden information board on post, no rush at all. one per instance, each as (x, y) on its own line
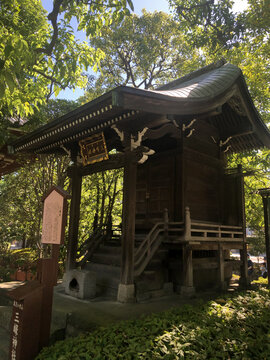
(53, 232)
(54, 216)
(54, 221)
(32, 302)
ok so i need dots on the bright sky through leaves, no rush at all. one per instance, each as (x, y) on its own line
(149, 5)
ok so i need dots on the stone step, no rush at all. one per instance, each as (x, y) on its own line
(108, 249)
(114, 259)
(154, 264)
(106, 259)
(103, 268)
(166, 290)
(113, 243)
(107, 278)
(106, 264)
(162, 253)
(151, 280)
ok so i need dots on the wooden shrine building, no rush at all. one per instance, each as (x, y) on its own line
(183, 210)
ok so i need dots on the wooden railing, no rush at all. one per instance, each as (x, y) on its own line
(87, 249)
(168, 232)
(179, 232)
(200, 231)
(152, 242)
(147, 249)
(92, 243)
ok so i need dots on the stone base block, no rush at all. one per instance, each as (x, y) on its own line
(244, 283)
(187, 291)
(168, 288)
(80, 284)
(223, 286)
(126, 293)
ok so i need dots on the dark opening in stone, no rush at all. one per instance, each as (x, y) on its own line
(74, 285)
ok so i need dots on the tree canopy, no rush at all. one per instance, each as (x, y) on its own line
(143, 51)
(243, 39)
(39, 53)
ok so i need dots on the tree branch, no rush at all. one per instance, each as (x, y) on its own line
(49, 77)
(53, 18)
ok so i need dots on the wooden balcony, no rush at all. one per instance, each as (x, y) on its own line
(196, 232)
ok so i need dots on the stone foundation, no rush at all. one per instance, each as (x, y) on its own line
(126, 293)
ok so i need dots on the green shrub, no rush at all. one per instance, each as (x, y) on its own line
(232, 327)
(261, 281)
(12, 260)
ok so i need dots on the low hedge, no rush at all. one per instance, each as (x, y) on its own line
(13, 260)
(232, 327)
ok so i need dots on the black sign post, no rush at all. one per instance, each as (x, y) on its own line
(25, 321)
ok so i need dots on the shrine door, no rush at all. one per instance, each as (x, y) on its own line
(155, 191)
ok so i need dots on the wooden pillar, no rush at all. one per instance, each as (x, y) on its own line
(126, 289)
(76, 182)
(244, 280)
(187, 224)
(178, 213)
(187, 289)
(221, 280)
(128, 234)
(183, 178)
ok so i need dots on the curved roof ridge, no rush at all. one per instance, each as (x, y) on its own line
(192, 75)
(205, 85)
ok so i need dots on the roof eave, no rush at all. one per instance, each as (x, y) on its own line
(142, 100)
(252, 113)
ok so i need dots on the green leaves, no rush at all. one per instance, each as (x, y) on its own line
(213, 23)
(236, 326)
(21, 192)
(2, 64)
(2, 89)
(143, 51)
(8, 50)
(10, 81)
(242, 39)
(130, 3)
(38, 57)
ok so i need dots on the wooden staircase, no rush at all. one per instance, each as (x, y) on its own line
(149, 280)
(150, 255)
(150, 261)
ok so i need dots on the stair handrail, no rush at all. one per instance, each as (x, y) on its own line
(152, 242)
(97, 238)
(147, 249)
(148, 240)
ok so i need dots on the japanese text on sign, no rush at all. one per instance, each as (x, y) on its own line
(15, 329)
(53, 219)
(93, 149)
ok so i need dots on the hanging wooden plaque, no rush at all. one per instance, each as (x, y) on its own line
(93, 149)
